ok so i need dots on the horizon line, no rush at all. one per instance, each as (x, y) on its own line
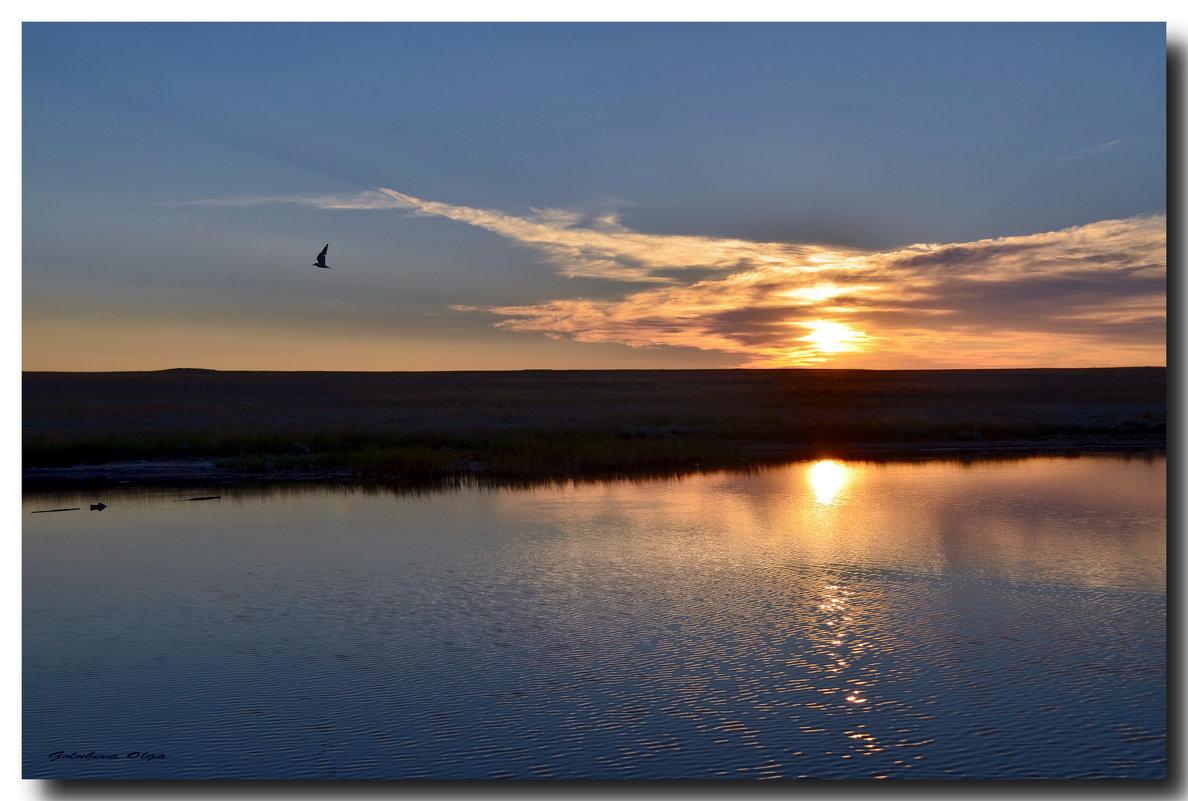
(625, 369)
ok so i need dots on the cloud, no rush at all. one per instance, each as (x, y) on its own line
(1093, 294)
(1097, 150)
(584, 245)
(368, 200)
(604, 248)
(1088, 295)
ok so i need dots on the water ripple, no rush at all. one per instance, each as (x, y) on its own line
(598, 644)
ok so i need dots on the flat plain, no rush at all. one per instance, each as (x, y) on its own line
(546, 423)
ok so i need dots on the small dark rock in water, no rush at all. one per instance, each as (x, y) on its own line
(98, 507)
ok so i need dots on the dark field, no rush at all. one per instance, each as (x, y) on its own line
(570, 423)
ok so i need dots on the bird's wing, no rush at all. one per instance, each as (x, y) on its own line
(322, 255)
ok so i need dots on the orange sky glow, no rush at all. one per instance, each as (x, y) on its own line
(1092, 295)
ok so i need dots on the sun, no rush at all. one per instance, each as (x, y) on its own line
(830, 337)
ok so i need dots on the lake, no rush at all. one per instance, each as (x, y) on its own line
(822, 620)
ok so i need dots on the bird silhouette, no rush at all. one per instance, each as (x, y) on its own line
(321, 262)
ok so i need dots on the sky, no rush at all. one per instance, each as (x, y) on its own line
(592, 195)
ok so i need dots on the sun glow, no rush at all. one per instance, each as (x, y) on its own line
(815, 293)
(825, 290)
(830, 337)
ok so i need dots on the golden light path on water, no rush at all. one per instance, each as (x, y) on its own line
(840, 639)
(850, 543)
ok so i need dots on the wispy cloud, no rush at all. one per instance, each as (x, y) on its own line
(362, 201)
(586, 245)
(601, 247)
(1097, 150)
(1092, 294)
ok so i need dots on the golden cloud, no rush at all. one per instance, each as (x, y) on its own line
(1087, 295)
(1090, 295)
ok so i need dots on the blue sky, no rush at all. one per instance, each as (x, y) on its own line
(179, 178)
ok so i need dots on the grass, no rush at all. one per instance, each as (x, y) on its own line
(565, 423)
(380, 456)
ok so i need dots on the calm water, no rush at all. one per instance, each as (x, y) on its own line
(828, 620)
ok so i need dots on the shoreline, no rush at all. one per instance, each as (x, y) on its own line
(189, 472)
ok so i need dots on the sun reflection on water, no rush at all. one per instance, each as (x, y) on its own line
(844, 642)
(827, 479)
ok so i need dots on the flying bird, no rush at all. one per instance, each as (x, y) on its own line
(321, 262)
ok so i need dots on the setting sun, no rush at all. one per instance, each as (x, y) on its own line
(831, 337)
